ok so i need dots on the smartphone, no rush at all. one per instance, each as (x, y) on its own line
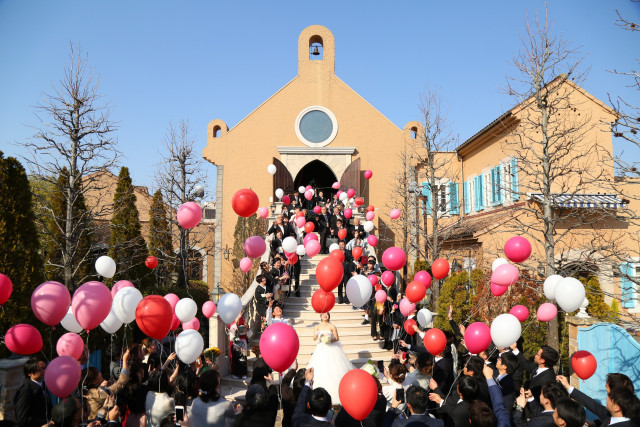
(380, 366)
(400, 395)
(330, 414)
(180, 413)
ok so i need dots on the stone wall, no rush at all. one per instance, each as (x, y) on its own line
(11, 379)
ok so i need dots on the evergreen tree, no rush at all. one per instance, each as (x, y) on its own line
(20, 257)
(160, 239)
(128, 248)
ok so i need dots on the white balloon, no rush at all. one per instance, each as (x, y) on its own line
(289, 244)
(549, 286)
(186, 309)
(125, 303)
(300, 250)
(569, 293)
(271, 169)
(359, 290)
(70, 323)
(279, 193)
(368, 226)
(497, 263)
(229, 307)
(106, 266)
(424, 317)
(333, 246)
(505, 330)
(111, 324)
(189, 345)
(343, 196)
(301, 189)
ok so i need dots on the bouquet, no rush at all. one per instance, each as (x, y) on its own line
(212, 353)
(370, 368)
(326, 338)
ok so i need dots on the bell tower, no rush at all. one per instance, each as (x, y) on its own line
(316, 53)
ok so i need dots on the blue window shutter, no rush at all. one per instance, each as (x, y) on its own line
(481, 192)
(466, 189)
(426, 191)
(494, 186)
(499, 181)
(515, 184)
(454, 203)
(627, 286)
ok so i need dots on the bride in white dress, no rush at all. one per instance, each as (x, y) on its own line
(329, 362)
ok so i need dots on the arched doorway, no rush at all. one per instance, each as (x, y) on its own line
(318, 175)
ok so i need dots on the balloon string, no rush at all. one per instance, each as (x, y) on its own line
(50, 343)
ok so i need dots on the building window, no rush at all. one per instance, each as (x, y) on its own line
(316, 126)
(209, 214)
(446, 202)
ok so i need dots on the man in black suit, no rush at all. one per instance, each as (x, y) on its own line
(323, 229)
(549, 395)
(541, 369)
(417, 400)
(569, 413)
(356, 227)
(319, 402)
(455, 412)
(31, 402)
(507, 364)
(333, 220)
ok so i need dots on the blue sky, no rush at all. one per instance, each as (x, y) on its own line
(164, 61)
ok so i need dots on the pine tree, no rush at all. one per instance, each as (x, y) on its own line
(160, 239)
(20, 257)
(128, 248)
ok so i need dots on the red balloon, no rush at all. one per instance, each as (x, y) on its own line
(329, 273)
(373, 279)
(423, 277)
(358, 393)
(245, 202)
(299, 214)
(323, 302)
(370, 208)
(394, 258)
(151, 262)
(175, 323)
(583, 364)
(358, 201)
(279, 345)
(435, 341)
(415, 291)
(440, 268)
(342, 233)
(388, 277)
(286, 200)
(356, 252)
(309, 227)
(6, 287)
(293, 258)
(23, 339)
(408, 326)
(338, 254)
(154, 316)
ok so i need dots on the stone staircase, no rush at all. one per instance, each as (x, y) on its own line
(355, 338)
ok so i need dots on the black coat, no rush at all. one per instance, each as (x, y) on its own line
(443, 374)
(508, 391)
(393, 420)
(374, 419)
(455, 414)
(32, 404)
(261, 301)
(300, 417)
(544, 419)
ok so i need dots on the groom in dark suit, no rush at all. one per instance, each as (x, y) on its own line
(541, 369)
(417, 400)
(319, 402)
(32, 404)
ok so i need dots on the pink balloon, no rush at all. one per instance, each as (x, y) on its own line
(317, 209)
(388, 277)
(312, 247)
(505, 275)
(368, 174)
(477, 337)
(209, 309)
(286, 199)
(373, 279)
(520, 312)
(372, 240)
(254, 246)
(246, 264)
(395, 213)
(62, 376)
(370, 215)
(394, 258)
(308, 194)
(6, 288)
(406, 307)
(547, 312)
(70, 344)
(336, 185)
(91, 304)
(517, 249)
(279, 345)
(300, 221)
(351, 192)
(498, 290)
(23, 339)
(310, 236)
(50, 302)
(189, 215)
(119, 285)
(339, 192)
(191, 324)
(424, 278)
(308, 187)
(173, 300)
(348, 213)
(381, 296)
(263, 212)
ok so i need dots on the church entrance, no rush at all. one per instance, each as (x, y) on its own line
(318, 175)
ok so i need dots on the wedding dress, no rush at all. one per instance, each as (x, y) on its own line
(330, 364)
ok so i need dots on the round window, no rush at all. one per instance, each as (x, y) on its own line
(316, 126)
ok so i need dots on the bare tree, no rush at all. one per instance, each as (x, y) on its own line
(74, 139)
(181, 177)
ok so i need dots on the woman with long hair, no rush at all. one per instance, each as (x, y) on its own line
(209, 408)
